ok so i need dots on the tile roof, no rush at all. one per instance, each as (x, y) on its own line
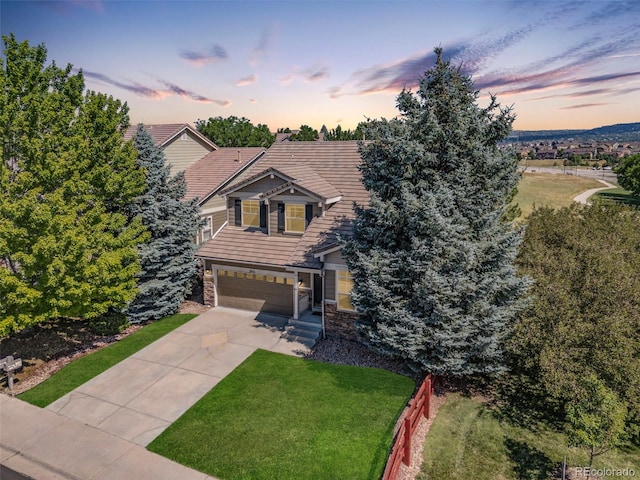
(249, 245)
(336, 163)
(165, 132)
(216, 169)
(305, 177)
(301, 176)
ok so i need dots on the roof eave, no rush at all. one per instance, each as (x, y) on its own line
(219, 189)
(186, 126)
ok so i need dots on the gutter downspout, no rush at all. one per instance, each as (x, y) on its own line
(324, 330)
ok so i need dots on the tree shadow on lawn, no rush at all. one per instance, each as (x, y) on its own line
(620, 197)
(530, 463)
(525, 405)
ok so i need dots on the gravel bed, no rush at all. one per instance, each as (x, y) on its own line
(347, 352)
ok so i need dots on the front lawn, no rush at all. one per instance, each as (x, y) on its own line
(85, 368)
(467, 440)
(277, 416)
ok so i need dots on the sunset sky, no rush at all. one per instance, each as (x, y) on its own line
(561, 64)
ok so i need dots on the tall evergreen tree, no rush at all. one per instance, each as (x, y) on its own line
(431, 260)
(67, 247)
(168, 258)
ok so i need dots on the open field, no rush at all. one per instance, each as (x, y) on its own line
(277, 416)
(555, 191)
(470, 440)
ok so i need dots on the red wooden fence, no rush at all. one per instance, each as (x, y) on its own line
(401, 452)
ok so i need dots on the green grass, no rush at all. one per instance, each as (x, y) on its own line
(85, 368)
(550, 190)
(282, 417)
(467, 440)
(620, 195)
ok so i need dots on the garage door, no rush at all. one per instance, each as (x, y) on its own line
(263, 293)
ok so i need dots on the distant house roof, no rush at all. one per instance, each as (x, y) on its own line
(165, 133)
(282, 137)
(216, 169)
(331, 167)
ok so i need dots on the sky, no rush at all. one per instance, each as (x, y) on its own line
(559, 64)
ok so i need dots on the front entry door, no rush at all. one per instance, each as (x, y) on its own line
(317, 291)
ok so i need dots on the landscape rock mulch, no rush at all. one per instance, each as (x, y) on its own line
(45, 349)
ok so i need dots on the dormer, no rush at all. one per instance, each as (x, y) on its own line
(280, 202)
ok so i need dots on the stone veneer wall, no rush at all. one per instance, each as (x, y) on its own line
(340, 324)
(209, 289)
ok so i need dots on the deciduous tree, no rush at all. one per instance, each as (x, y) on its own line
(235, 132)
(432, 262)
(305, 134)
(629, 174)
(67, 248)
(596, 419)
(167, 259)
(585, 316)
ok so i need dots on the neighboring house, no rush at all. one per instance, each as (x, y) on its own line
(207, 168)
(209, 175)
(182, 144)
(279, 251)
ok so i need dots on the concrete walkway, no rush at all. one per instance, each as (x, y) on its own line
(99, 430)
(584, 196)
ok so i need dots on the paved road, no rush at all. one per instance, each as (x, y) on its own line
(606, 175)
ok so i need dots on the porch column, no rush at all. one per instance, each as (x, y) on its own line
(215, 287)
(296, 306)
(210, 286)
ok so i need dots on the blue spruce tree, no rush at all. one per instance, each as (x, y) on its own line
(168, 258)
(431, 259)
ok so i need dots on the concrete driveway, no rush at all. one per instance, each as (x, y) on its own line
(138, 398)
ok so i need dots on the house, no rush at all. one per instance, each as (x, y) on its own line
(210, 175)
(279, 249)
(182, 144)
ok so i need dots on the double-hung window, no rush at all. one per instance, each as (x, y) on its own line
(206, 229)
(294, 218)
(250, 213)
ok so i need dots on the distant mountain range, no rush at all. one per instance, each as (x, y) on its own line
(621, 132)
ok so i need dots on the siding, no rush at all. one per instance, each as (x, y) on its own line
(335, 258)
(263, 185)
(213, 202)
(181, 154)
(218, 219)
